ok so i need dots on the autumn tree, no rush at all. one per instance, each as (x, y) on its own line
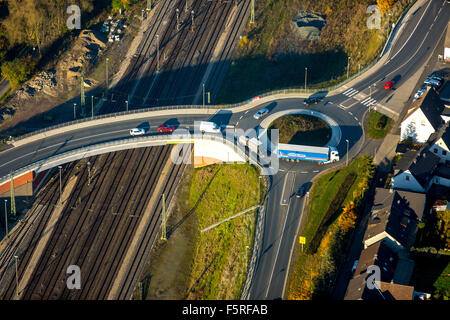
(18, 70)
(385, 5)
(348, 217)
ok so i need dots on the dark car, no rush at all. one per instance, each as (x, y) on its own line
(300, 192)
(309, 101)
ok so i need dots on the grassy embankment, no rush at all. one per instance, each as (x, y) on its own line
(212, 264)
(302, 129)
(335, 204)
(270, 55)
(377, 125)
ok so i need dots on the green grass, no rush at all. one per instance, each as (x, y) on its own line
(5, 95)
(221, 256)
(302, 129)
(431, 275)
(377, 125)
(272, 56)
(311, 274)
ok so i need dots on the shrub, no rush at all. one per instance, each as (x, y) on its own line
(18, 70)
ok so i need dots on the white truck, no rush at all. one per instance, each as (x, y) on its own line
(308, 153)
(207, 126)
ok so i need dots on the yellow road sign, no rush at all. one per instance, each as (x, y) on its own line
(302, 240)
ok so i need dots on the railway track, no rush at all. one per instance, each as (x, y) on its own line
(99, 222)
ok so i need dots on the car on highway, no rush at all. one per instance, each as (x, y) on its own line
(137, 131)
(312, 100)
(166, 128)
(388, 85)
(258, 115)
(300, 192)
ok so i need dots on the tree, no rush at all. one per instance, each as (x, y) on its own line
(385, 5)
(18, 70)
(348, 217)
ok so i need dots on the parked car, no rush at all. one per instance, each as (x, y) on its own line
(355, 264)
(137, 131)
(431, 81)
(435, 76)
(260, 113)
(388, 85)
(312, 100)
(300, 192)
(166, 128)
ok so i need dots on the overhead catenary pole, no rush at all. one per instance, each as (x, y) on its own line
(252, 12)
(60, 185)
(163, 222)
(157, 53)
(178, 18)
(6, 219)
(17, 276)
(192, 17)
(89, 172)
(13, 199)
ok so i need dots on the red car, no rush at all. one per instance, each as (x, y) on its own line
(388, 85)
(165, 128)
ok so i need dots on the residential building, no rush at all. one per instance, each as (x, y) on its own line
(423, 118)
(394, 218)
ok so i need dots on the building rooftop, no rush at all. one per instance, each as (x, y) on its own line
(381, 255)
(358, 290)
(395, 212)
(431, 106)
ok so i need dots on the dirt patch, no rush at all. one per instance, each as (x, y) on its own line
(165, 276)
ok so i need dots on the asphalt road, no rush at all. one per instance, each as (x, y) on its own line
(409, 52)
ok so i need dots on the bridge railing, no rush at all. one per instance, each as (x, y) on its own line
(290, 90)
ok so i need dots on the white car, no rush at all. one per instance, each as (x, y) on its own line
(137, 131)
(260, 113)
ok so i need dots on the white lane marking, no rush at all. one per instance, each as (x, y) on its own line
(356, 118)
(304, 172)
(279, 245)
(418, 23)
(350, 113)
(246, 111)
(57, 144)
(241, 117)
(316, 171)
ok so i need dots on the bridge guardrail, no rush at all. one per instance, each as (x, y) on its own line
(183, 107)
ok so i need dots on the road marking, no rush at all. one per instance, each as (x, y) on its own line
(241, 117)
(57, 144)
(285, 199)
(350, 113)
(356, 118)
(316, 171)
(304, 172)
(247, 111)
(279, 245)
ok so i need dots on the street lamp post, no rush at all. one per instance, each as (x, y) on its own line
(306, 76)
(89, 172)
(92, 107)
(347, 151)
(6, 219)
(192, 16)
(348, 66)
(107, 80)
(127, 104)
(178, 19)
(203, 94)
(74, 111)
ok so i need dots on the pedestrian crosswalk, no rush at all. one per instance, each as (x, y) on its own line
(362, 98)
(350, 92)
(368, 101)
